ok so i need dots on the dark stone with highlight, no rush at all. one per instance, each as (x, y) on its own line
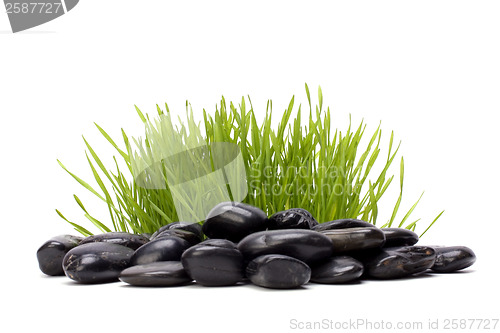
(169, 248)
(452, 258)
(293, 218)
(192, 238)
(278, 271)
(343, 224)
(51, 254)
(399, 237)
(340, 269)
(121, 238)
(195, 228)
(355, 239)
(156, 274)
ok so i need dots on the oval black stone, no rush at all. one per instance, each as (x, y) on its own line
(212, 265)
(233, 221)
(278, 271)
(399, 237)
(51, 254)
(293, 218)
(398, 262)
(195, 228)
(340, 269)
(121, 238)
(306, 245)
(169, 248)
(452, 258)
(355, 239)
(342, 224)
(156, 274)
(192, 238)
(97, 262)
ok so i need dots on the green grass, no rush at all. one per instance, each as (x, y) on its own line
(308, 165)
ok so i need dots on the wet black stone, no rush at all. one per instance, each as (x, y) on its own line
(169, 248)
(156, 274)
(294, 218)
(398, 262)
(51, 254)
(212, 265)
(355, 239)
(306, 245)
(342, 224)
(452, 258)
(192, 238)
(233, 221)
(96, 262)
(399, 237)
(121, 238)
(340, 269)
(278, 271)
(195, 228)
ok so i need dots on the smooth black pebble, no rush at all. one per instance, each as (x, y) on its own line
(398, 262)
(452, 258)
(293, 218)
(189, 236)
(214, 262)
(278, 271)
(97, 262)
(51, 254)
(342, 224)
(156, 274)
(399, 237)
(195, 228)
(340, 269)
(306, 245)
(121, 238)
(355, 239)
(233, 221)
(169, 248)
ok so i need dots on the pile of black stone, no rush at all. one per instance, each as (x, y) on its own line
(239, 243)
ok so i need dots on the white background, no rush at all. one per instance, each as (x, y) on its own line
(428, 70)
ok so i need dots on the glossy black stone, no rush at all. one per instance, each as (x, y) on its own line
(190, 237)
(306, 245)
(294, 218)
(96, 262)
(355, 239)
(156, 274)
(452, 258)
(169, 248)
(212, 265)
(121, 238)
(278, 271)
(399, 237)
(195, 228)
(51, 254)
(233, 221)
(340, 269)
(342, 224)
(398, 262)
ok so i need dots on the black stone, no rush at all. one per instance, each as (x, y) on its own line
(233, 221)
(192, 238)
(340, 269)
(121, 238)
(306, 245)
(294, 218)
(278, 271)
(195, 228)
(355, 239)
(212, 265)
(398, 262)
(452, 258)
(51, 254)
(399, 237)
(342, 224)
(97, 262)
(169, 248)
(156, 274)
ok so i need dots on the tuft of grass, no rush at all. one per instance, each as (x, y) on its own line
(296, 165)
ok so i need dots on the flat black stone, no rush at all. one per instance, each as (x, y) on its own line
(278, 271)
(51, 254)
(156, 274)
(169, 248)
(195, 228)
(97, 262)
(306, 245)
(399, 237)
(452, 258)
(342, 224)
(340, 269)
(293, 218)
(212, 265)
(121, 238)
(355, 239)
(189, 236)
(398, 262)
(233, 221)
